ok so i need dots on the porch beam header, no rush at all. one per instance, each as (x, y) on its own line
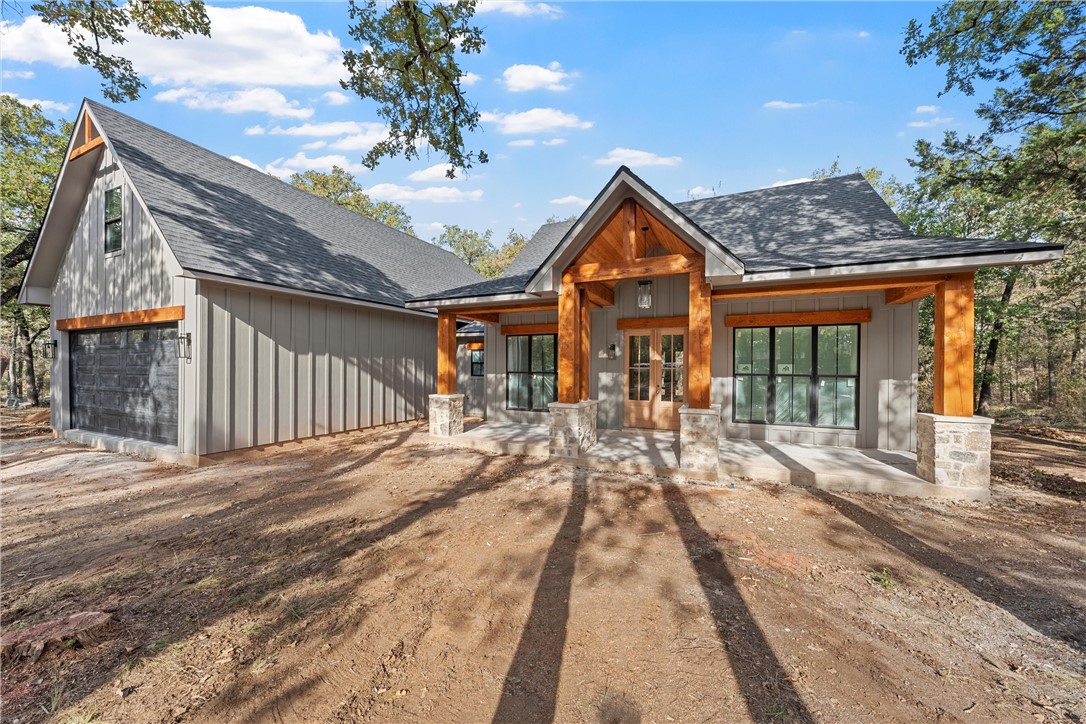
(660, 266)
(830, 287)
(904, 295)
(798, 319)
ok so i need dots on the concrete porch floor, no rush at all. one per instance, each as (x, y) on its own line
(656, 452)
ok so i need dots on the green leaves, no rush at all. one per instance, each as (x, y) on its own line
(339, 186)
(407, 64)
(478, 252)
(94, 27)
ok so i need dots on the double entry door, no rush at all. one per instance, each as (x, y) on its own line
(655, 378)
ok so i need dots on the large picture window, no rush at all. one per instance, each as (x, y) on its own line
(798, 375)
(531, 371)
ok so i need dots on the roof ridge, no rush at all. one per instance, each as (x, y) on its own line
(771, 188)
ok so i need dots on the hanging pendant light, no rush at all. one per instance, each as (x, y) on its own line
(644, 294)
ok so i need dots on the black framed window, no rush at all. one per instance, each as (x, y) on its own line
(114, 234)
(531, 365)
(477, 363)
(797, 375)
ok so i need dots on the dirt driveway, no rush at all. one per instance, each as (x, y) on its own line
(379, 576)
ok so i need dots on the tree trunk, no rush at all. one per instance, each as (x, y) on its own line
(985, 396)
(30, 380)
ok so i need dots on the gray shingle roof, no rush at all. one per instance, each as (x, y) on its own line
(831, 222)
(838, 221)
(222, 217)
(516, 277)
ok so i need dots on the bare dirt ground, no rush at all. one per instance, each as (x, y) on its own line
(378, 576)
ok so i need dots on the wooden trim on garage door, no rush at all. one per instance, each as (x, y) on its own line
(122, 319)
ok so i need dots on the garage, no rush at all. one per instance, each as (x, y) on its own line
(124, 382)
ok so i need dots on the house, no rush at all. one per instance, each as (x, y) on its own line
(783, 316)
(200, 306)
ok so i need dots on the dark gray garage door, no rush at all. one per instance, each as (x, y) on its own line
(124, 382)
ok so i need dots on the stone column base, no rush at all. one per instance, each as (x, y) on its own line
(954, 451)
(446, 415)
(573, 427)
(699, 439)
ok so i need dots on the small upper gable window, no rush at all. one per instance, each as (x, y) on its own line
(114, 206)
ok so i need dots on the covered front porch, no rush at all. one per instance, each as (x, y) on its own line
(656, 452)
(865, 433)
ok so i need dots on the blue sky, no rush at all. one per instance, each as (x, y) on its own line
(698, 98)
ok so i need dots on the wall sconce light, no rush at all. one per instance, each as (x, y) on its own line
(644, 294)
(184, 346)
(612, 352)
(51, 349)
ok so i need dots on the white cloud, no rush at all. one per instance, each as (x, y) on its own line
(633, 157)
(245, 49)
(435, 173)
(433, 194)
(518, 78)
(937, 121)
(246, 162)
(522, 143)
(927, 109)
(517, 205)
(554, 142)
(434, 226)
(863, 35)
(785, 105)
(314, 145)
(18, 74)
(537, 120)
(700, 192)
(335, 98)
(571, 200)
(254, 131)
(470, 79)
(299, 162)
(330, 128)
(789, 182)
(251, 100)
(46, 106)
(519, 8)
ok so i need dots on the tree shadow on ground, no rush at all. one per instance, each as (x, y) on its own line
(767, 691)
(530, 691)
(180, 572)
(1041, 608)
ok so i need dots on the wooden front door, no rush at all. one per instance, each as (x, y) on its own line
(655, 378)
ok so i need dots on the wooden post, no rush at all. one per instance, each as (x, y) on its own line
(585, 343)
(446, 353)
(699, 352)
(569, 338)
(629, 229)
(954, 346)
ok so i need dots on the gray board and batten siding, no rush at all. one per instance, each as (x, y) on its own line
(279, 367)
(473, 388)
(888, 364)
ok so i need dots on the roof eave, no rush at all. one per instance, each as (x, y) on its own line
(950, 264)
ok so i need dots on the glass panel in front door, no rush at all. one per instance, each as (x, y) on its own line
(671, 373)
(638, 367)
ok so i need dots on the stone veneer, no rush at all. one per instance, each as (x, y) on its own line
(699, 439)
(573, 427)
(446, 415)
(954, 451)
